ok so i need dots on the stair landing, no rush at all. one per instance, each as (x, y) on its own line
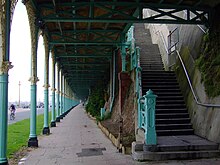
(177, 147)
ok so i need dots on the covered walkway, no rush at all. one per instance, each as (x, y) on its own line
(88, 42)
(77, 140)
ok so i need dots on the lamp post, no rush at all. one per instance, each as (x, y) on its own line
(19, 94)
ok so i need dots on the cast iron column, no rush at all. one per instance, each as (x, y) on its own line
(46, 129)
(53, 114)
(58, 95)
(34, 24)
(5, 65)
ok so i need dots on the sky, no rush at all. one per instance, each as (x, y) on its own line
(20, 56)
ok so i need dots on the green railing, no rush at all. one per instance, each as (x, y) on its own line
(130, 42)
(146, 103)
(146, 117)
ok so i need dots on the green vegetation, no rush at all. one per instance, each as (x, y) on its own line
(209, 63)
(96, 100)
(106, 116)
(18, 134)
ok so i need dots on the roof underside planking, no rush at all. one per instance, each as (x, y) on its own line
(84, 34)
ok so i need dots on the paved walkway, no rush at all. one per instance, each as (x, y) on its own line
(78, 141)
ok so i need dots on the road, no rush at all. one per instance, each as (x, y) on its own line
(23, 113)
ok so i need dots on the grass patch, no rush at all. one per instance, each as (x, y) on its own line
(18, 133)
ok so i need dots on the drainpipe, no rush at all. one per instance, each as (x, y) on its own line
(113, 90)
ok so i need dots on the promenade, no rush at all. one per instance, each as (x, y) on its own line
(77, 140)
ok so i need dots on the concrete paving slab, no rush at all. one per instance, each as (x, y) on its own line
(77, 132)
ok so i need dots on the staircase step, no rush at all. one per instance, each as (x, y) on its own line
(157, 73)
(173, 126)
(175, 132)
(176, 147)
(152, 67)
(180, 110)
(161, 82)
(158, 77)
(173, 121)
(162, 92)
(143, 156)
(171, 115)
(153, 57)
(170, 101)
(165, 93)
(170, 98)
(170, 106)
(159, 86)
(151, 64)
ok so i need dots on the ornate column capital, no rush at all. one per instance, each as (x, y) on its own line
(33, 80)
(5, 66)
(53, 89)
(46, 86)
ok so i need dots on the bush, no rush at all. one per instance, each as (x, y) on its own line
(96, 101)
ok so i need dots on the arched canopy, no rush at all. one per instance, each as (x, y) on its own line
(84, 34)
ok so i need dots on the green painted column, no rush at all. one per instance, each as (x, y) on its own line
(33, 142)
(5, 65)
(33, 135)
(3, 117)
(61, 95)
(113, 80)
(46, 129)
(123, 53)
(64, 95)
(64, 98)
(123, 58)
(53, 113)
(58, 95)
(34, 29)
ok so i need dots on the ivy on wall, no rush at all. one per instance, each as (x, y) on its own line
(209, 63)
(96, 100)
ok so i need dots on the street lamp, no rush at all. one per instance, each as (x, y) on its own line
(19, 103)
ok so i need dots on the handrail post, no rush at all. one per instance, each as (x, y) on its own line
(139, 114)
(102, 111)
(138, 86)
(150, 131)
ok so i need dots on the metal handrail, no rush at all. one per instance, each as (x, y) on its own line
(191, 87)
(163, 40)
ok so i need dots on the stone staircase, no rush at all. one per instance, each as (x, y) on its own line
(172, 118)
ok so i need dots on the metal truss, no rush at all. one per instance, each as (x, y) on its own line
(123, 12)
(86, 36)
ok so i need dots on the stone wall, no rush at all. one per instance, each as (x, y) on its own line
(128, 109)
